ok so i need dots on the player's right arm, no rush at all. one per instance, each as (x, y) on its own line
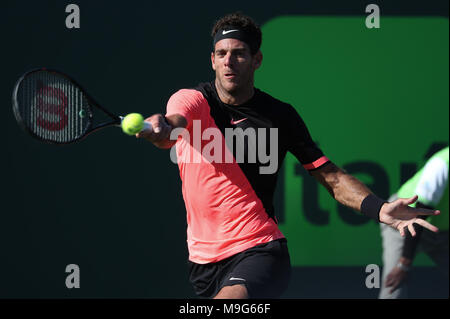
(182, 107)
(162, 127)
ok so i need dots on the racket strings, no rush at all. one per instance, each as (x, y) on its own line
(53, 108)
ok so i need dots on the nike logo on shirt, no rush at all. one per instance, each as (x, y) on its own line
(238, 121)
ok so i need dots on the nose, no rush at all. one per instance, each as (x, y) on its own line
(228, 59)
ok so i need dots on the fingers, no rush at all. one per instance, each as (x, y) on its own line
(393, 283)
(411, 212)
(426, 225)
(161, 130)
(426, 212)
(419, 211)
(394, 280)
(389, 280)
(157, 123)
(411, 229)
(409, 201)
(145, 133)
(409, 226)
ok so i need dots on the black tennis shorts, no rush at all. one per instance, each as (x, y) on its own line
(265, 270)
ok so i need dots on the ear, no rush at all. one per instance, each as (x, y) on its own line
(213, 64)
(257, 60)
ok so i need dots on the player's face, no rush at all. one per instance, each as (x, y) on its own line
(234, 64)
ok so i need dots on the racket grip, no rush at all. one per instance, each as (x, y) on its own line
(147, 127)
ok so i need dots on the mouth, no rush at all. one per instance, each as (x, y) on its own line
(230, 75)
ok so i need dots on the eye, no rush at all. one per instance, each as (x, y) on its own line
(240, 53)
(220, 53)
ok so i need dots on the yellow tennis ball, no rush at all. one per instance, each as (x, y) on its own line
(132, 123)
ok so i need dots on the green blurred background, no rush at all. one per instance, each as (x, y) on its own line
(376, 101)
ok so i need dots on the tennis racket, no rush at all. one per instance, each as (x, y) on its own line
(52, 107)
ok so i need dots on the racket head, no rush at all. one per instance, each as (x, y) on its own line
(52, 107)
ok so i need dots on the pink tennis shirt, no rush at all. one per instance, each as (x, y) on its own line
(225, 216)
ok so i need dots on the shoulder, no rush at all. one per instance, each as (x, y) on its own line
(272, 101)
(433, 181)
(185, 96)
(435, 168)
(189, 103)
(206, 89)
(280, 110)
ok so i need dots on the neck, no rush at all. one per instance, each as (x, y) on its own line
(235, 98)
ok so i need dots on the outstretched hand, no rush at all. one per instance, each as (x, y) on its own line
(398, 214)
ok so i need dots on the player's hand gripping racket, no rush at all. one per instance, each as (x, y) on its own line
(53, 108)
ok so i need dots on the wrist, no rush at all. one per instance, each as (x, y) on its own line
(163, 140)
(164, 144)
(405, 261)
(403, 266)
(371, 206)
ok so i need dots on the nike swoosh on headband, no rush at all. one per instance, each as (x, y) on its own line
(228, 31)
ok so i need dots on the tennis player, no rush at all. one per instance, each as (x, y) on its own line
(236, 249)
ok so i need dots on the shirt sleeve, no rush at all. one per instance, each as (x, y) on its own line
(187, 103)
(301, 144)
(433, 182)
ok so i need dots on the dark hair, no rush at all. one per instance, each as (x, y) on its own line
(244, 23)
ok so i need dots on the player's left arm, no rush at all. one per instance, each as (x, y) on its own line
(343, 187)
(351, 192)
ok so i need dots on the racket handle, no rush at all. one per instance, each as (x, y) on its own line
(147, 127)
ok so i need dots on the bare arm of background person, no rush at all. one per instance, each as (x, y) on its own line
(350, 192)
